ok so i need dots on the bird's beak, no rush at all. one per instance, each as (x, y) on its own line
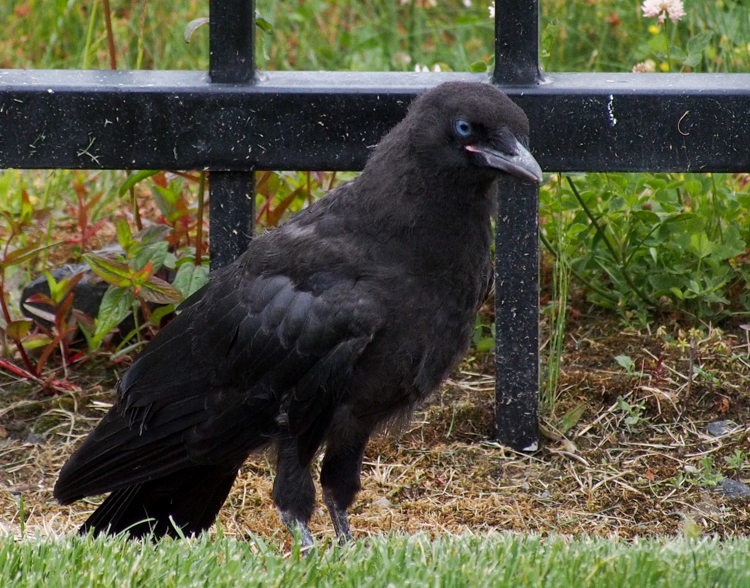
(520, 163)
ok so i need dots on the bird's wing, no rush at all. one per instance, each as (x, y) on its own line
(246, 359)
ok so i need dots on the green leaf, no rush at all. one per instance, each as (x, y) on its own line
(646, 216)
(111, 271)
(170, 260)
(624, 405)
(701, 245)
(625, 362)
(690, 529)
(159, 291)
(59, 290)
(478, 67)
(115, 306)
(190, 279)
(23, 253)
(676, 53)
(156, 253)
(571, 418)
(692, 60)
(124, 235)
(262, 23)
(166, 201)
(84, 320)
(36, 341)
(152, 233)
(732, 244)
(694, 187)
(699, 42)
(159, 313)
(135, 178)
(485, 344)
(19, 328)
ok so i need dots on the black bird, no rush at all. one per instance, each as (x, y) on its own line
(336, 322)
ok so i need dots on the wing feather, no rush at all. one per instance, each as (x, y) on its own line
(246, 357)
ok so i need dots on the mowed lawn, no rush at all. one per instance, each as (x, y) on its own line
(494, 561)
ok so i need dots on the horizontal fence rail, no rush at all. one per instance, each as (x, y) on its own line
(330, 120)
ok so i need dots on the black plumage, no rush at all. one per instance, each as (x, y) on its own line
(339, 320)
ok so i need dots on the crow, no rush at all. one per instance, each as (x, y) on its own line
(332, 325)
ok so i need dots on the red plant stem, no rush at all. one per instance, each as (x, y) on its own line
(136, 212)
(110, 36)
(263, 209)
(146, 315)
(19, 371)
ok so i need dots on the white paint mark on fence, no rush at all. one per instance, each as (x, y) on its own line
(611, 110)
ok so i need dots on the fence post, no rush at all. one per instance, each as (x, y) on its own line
(517, 248)
(231, 61)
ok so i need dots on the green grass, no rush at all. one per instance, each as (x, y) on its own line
(607, 35)
(494, 561)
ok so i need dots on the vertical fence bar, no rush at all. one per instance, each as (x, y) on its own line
(232, 41)
(516, 42)
(517, 248)
(517, 316)
(231, 61)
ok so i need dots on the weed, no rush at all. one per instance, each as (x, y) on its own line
(625, 362)
(484, 335)
(558, 314)
(708, 476)
(632, 413)
(641, 241)
(736, 461)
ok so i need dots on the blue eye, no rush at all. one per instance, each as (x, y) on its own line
(462, 127)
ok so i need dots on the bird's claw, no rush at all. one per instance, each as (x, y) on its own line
(339, 520)
(299, 531)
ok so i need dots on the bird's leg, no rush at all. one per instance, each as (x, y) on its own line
(339, 477)
(297, 528)
(294, 493)
(338, 518)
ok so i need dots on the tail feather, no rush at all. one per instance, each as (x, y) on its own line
(188, 500)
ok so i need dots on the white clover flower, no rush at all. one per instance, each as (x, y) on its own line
(467, 3)
(424, 69)
(673, 9)
(648, 66)
(491, 8)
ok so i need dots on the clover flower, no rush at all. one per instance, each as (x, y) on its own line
(491, 8)
(648, 66)
(663, 9)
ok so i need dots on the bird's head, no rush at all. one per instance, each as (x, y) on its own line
(474, 128)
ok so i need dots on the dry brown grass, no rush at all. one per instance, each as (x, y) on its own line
(602, 476)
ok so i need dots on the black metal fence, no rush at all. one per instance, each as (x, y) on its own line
(233, 120)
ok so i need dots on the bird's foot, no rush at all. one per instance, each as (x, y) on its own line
(298, 529)
(339, 520)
